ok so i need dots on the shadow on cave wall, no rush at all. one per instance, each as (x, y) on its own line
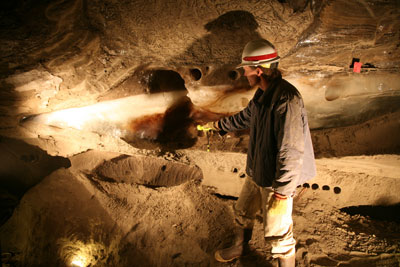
(212, 60)
(22, 166)
(227, 35)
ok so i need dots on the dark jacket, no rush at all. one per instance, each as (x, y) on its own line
(280, 152)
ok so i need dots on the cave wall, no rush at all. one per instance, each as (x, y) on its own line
(73, 54)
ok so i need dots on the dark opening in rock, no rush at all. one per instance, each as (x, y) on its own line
(337, 190)
(233, 75)
(196, 74)
(226, 197)
(383, 213)
(165, 81)
(368, 66)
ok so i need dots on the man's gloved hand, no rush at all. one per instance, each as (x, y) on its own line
(277, 205)
(209, 126)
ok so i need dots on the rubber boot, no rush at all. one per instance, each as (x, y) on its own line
(242, 239)
(287, 262)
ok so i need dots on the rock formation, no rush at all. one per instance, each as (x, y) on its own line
(116, 88)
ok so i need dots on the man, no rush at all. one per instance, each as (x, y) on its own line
(280, 154)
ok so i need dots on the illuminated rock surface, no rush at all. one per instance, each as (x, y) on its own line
(116, 88)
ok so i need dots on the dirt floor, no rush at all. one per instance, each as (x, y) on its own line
(108, 220)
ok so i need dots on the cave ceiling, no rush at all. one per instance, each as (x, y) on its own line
(150, 70)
